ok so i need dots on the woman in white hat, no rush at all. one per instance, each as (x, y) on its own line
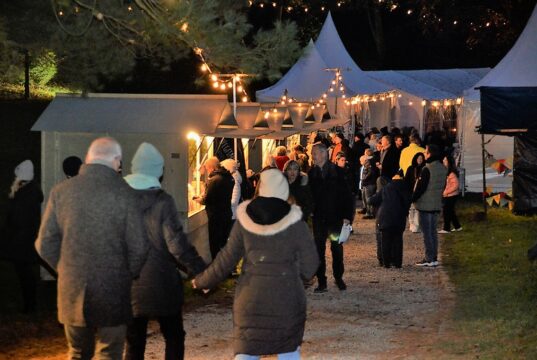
(269, 311)
(23, 219)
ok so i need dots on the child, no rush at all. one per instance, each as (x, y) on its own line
(449, 197)
(393, 202)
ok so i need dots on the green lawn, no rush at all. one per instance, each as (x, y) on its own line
(496, 286)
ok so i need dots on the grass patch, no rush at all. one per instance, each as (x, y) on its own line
(495, 284)
(16, 91)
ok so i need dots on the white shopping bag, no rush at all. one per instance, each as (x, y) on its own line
(345, 233)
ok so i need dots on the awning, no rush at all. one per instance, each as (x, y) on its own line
(133, 113)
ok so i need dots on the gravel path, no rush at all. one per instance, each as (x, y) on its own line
(384, 314)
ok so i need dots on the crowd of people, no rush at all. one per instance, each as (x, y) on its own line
(116, 244)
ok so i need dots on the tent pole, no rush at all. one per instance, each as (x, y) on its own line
(484, 177)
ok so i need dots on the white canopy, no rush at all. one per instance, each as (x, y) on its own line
(306, 81)
(335, 55)
(431, 84)
(518, 67)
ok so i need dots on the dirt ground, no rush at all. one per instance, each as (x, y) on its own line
(384, 313)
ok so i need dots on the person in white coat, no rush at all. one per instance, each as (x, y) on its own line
(233, 167)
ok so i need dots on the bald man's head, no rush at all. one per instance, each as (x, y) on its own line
(104, 151)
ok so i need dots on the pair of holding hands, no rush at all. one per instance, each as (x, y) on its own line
(194, 286)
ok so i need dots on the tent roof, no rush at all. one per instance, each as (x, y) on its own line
(518, 67)
(431, 84)
(335, 55)
(305, 81)
(133, 113)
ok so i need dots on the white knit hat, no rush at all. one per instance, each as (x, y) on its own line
(25, 171)
(272, 183)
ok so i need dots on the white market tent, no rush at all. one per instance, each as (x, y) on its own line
(517, 68)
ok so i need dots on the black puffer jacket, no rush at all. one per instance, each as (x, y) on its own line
(393, 202)
(23, 218)
(159, 289)
(269, 311)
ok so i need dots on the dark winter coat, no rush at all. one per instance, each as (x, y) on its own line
(393, 202)
(92, 234)
(269, 311)
(23, 217)
(413, 172)
(370, 173)
(390, 162)
(332, 198)
(218, 191)
(159, 289)
(301, 193)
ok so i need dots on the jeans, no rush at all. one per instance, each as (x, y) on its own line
(428, 223)
(320, 234)
(82, 345)
(172, 331)
(368, 191)
(295, 355)
(413, 219)
(450, 217)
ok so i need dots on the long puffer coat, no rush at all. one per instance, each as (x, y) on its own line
(269, 311)
(159, 289)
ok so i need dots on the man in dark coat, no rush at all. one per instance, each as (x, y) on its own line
(158, 292)
(92, 234)
(388, 163)
(332, 208)
(217, 197)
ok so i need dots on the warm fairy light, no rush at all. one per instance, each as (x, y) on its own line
(214, 77)
(244, 99)
(409, 12)
(215, 85)
(410, 103)
(423, 103)
(458, 101)
(266, 115)
(240, 88)
(274, 110)
(282, 102)
(203, 67)
(331, 89)
(229, 85)
(341, 88)
(128, 8)
(325, 95)
(60, 13)
(193, 136)
(273, 4)
(223, 87)
(333, 82)
(399, 95)
(312, 107)
(261, 5)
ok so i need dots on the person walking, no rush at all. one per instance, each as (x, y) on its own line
(217, 201)
(369, 176)
(428, 198)
(22, 221)
(269, 309)
(392, 202)
(158, 292)
(450, 196)
(332, 202)
(92, 234)
(411, 177)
